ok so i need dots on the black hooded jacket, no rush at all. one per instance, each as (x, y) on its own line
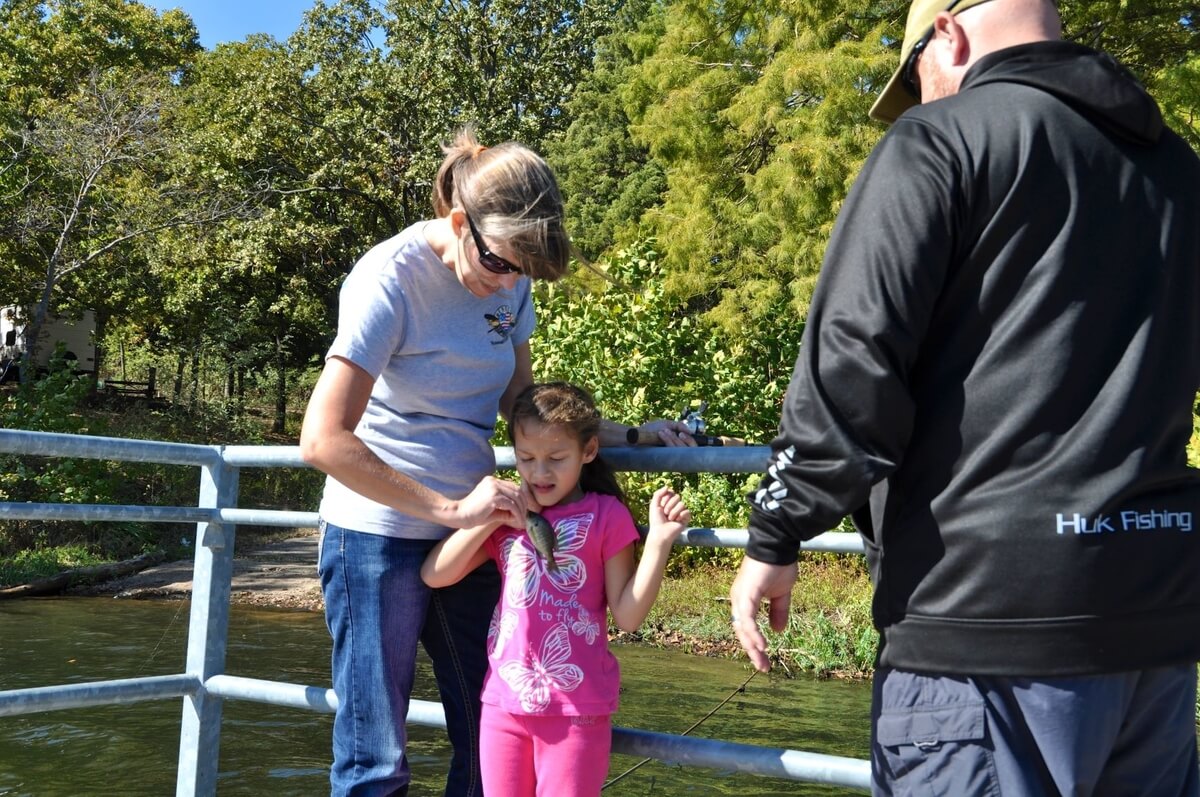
(998, 374)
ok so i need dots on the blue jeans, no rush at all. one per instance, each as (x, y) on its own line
(377, 607)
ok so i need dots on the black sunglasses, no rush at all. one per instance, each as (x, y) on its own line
(910, 66)
(487, 258)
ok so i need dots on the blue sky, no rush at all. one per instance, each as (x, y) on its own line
(233, 20)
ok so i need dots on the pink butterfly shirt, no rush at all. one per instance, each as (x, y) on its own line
(548, 641)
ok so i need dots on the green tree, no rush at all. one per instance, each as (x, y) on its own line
(82, 87)
(343, 139)
(249, 294)
(508, 65)
(1178, 89)
(608, 180)
(48, 48)
(757, 112)
(102, 181)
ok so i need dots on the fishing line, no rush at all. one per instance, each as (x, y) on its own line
(693, 727)
(166, 631)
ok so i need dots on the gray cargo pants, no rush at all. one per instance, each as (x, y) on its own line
(960, 736)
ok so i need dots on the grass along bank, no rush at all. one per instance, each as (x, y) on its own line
(829, 631)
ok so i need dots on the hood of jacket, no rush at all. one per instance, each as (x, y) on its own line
(1089, 81)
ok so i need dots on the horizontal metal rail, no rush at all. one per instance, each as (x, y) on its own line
(120, 449)
(11, 510)
(736, 459)
(747, 758)
(833, 542)
(204, 685)
(96, 693)
(829, 542)
(666, 747)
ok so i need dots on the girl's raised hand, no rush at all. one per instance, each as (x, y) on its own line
(669, 516)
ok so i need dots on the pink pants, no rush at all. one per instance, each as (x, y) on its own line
(524, 756)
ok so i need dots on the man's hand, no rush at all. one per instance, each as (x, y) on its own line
(755, 582)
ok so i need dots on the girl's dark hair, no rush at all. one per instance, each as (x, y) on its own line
(573, 408)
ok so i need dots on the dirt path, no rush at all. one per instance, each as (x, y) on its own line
(282, 574)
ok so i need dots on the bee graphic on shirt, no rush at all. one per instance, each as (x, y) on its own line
(502, 323)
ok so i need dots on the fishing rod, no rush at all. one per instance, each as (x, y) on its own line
(693, 727)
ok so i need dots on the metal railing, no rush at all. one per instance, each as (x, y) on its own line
(204, 684)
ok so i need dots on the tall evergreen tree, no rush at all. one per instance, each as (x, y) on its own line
(608, 180)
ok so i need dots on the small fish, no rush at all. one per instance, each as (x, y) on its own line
(541, 533)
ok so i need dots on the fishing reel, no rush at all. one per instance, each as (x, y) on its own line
(693, 418)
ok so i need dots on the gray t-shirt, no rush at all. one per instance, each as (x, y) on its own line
(441, 358)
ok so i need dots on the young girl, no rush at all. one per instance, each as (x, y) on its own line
(551, 686)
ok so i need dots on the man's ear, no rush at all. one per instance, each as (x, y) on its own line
(953, 37)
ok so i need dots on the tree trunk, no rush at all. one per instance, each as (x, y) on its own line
(95, 573)
(180, 365)
(195, 376)
(98, 341)
(33, 330)
(280, 424)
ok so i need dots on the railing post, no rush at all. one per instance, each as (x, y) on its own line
(208, 631)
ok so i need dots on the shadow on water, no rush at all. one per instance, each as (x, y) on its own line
(131, 750)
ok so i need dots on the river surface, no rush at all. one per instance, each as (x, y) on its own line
(131, 750)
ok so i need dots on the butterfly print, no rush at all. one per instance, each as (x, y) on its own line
(524, 569)
(500, 630)
(533, 679)
(585, 626)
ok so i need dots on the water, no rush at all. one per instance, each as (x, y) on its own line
(268, 750)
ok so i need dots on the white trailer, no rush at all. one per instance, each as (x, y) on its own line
(76, 335)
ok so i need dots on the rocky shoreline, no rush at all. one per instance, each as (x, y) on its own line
(282, 574)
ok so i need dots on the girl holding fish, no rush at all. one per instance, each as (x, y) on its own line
(552, 682)
(432, 341)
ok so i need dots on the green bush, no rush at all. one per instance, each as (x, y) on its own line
(50, 404)
(30, 565)
(644, 355)
(61, 402)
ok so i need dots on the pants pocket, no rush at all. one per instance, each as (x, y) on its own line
(931, 739)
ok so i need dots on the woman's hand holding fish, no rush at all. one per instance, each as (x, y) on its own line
(492, 501)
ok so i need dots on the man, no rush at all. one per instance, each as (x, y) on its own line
(996, 381)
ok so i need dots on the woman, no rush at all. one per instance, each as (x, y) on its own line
(433, 341)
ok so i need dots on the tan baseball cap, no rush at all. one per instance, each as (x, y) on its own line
(895, 98)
